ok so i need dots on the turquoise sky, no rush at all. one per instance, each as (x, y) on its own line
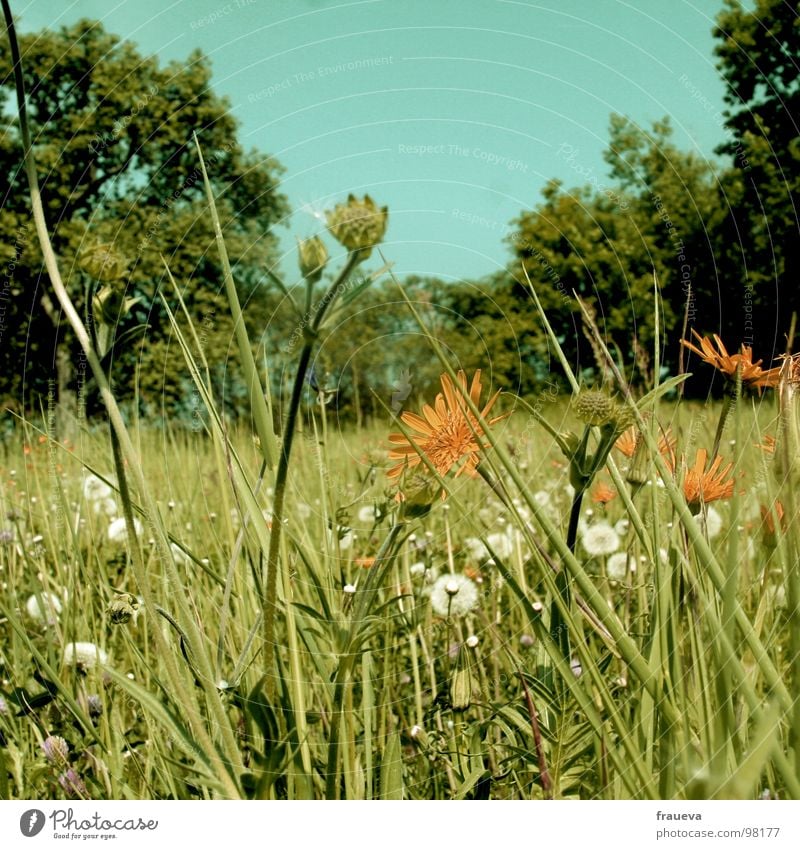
(453, 113)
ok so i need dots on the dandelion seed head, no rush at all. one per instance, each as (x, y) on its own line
(453, 594)
(600, 539)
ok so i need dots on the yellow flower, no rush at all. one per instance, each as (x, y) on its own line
(446, 433)
(753, 375)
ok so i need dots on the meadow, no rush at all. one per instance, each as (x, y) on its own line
(590, 593)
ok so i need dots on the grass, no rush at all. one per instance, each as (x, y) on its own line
(523, 733)
(225, 614)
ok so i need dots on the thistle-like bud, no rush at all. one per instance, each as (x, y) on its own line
(104, 263)
(55, 749)
(594, 407)
(358, 224)
(122, 609)
(312, 256)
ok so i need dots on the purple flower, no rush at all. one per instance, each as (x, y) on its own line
(72, 784)
(56, 750)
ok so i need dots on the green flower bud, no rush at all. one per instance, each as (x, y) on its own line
(104, 263)
(461, 683)
(110, 305)
(122, 609)
(358, 224)
(594, 407)
(312, 255)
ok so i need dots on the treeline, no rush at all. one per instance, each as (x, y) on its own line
(715, 242)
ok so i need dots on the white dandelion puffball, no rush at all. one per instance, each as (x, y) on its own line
(713, 522)
(619, 565)
(455, 595)
(501, 545)
(600, 539)
(95, 489)
(104, 507)
(118, 530)
(86, 655)
(44, 607)
(367, 514)
(622, 527)
(477, 550)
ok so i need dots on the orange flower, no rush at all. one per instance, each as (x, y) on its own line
(768, 445)
(446, 433)
(768, 521)
(729, 364)
(701, 486)
(603, 494)
(365, 562)
(628, 441)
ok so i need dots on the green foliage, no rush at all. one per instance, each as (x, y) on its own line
(112, 132)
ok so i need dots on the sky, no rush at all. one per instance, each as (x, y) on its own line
(452, 113)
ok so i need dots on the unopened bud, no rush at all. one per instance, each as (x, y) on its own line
(358, 224)
(312, 255)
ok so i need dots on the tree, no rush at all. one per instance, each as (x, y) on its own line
(759, 59)
(605, 241)
(112, 131)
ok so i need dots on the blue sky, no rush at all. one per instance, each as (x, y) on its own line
(451, 112)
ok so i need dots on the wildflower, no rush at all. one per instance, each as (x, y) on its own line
(526, 641)
(472, 641)
(622, 526)
(768, 446)
(603, 493)
(594, 407)
(56, 750)
(454, 595)
(600, 539)
(44, 606)
(618, 565)
(501, 545)
(446, 433)
(122, 609)
(84, 655)
(358, 225)
(768, 521)
(365, 562)
(631, 439)
(104, 263)
(95, 489)
(752, 375)
(713, 522)
(118, 530)
(94, 705)
(72, 784)
(349, 589)
(368, 514)
(703, 487)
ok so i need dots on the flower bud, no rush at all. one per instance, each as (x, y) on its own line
(594, 407)
(110, 305)
(312, 255)
(358, 224)
(104, 263)
(461, 684)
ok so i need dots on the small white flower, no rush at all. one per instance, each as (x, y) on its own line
(367, 514)
(453, 594)
(86, 655)
(472, 641)
(600, 539)
(501, 545)
(416, 569)
(44, 607)
(349, 589)
(622, 527)
(118, 530)
(95, 489)
(618, 565)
